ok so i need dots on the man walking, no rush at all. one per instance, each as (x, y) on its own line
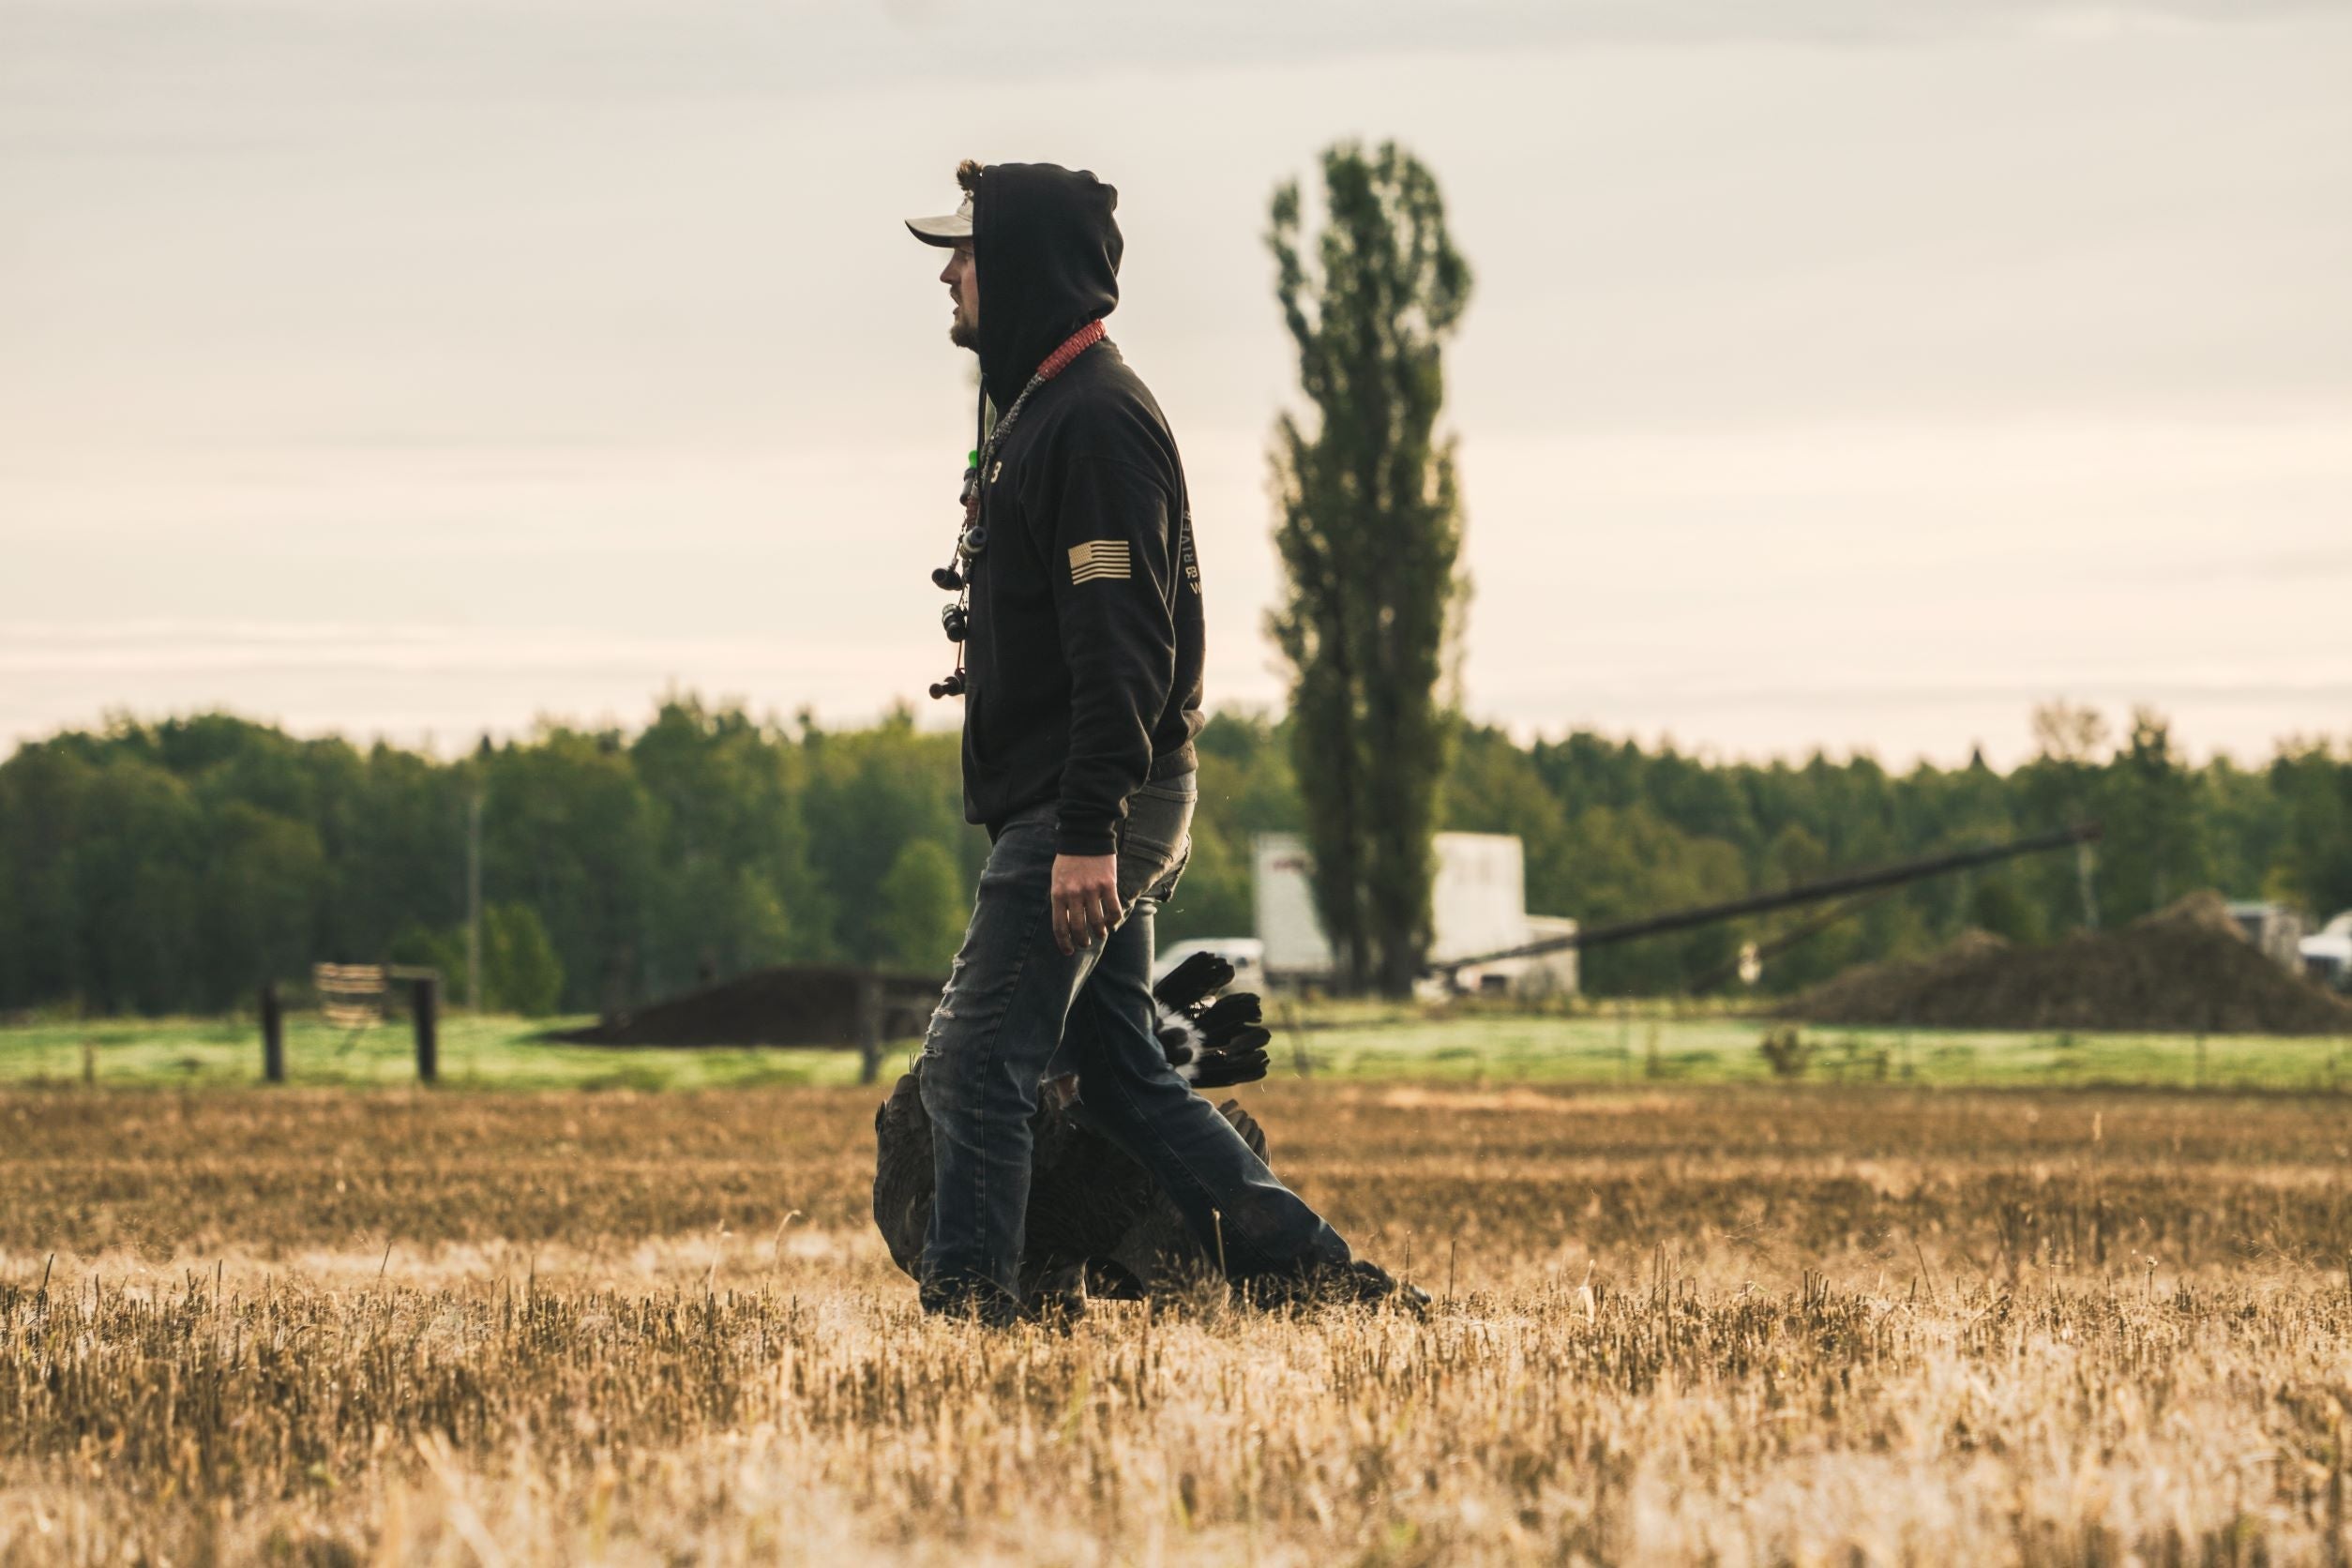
(1078, 629)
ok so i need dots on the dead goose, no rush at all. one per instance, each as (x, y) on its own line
(1092, 1210)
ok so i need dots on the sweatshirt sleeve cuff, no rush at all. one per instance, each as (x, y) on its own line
(1084, 839)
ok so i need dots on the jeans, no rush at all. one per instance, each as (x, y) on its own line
(1000, 1027)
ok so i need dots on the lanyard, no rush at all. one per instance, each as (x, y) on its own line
(971, 538)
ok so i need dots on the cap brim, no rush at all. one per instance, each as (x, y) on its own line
(950, 229)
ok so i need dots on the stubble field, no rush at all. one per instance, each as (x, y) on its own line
(1720, 1324)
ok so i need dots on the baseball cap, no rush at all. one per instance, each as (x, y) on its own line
(946, 229)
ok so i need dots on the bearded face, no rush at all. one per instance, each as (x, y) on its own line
(963, 276)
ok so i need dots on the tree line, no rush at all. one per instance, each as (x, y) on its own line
(171, 867)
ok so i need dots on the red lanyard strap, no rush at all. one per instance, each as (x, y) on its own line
(1055, 363)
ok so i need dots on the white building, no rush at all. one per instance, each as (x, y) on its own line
(2276, 929)
(1478, 904)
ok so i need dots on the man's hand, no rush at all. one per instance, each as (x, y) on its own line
(1085, 899)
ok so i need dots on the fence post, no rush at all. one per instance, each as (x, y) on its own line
(425, 1004)
(273, 1036)
(869, 1045)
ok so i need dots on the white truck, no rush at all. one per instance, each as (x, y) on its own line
(2328, 955)
(1478, 904)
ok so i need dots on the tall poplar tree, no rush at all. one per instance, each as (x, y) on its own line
(1369, 533)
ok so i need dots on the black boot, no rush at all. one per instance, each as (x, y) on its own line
(1357, 1283)
(1057, 1299)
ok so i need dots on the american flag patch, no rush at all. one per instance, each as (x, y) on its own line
(1098, 558)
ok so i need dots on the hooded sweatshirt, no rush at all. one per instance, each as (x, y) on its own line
(1083, 654)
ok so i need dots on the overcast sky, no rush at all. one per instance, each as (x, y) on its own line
(1843, 374)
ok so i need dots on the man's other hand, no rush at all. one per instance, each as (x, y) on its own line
(1085, 899)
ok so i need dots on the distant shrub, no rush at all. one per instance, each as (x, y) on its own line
(1786, 1053)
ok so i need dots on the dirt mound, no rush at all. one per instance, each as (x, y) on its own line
(794, 1004)
(2182, 969)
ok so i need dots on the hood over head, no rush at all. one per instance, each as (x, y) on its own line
(1048, 250)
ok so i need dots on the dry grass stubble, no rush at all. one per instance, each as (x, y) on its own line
(1737, 1327)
